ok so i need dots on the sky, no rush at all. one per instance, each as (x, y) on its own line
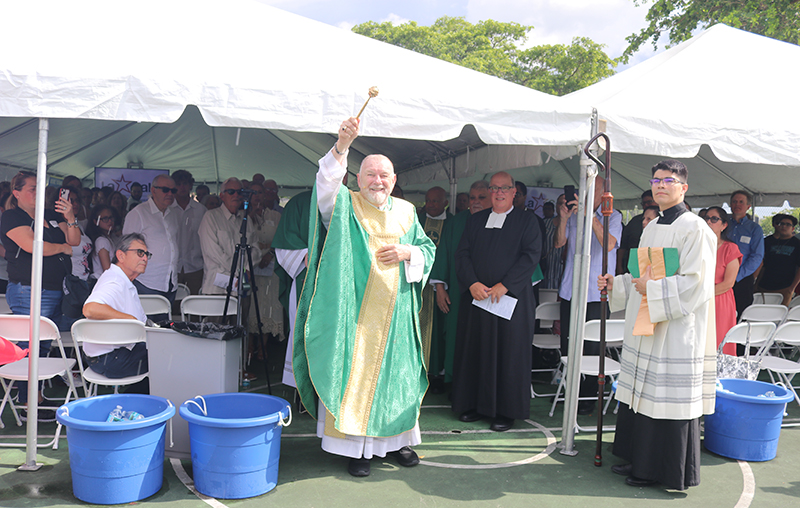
(555, 21)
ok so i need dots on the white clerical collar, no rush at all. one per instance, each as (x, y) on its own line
(496, 220)
(441, 216)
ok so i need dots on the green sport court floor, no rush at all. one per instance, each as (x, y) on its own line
(463, 464)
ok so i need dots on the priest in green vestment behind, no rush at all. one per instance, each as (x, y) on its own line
(357, 343)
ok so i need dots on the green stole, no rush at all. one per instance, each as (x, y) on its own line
(292, 234)
(357, 341)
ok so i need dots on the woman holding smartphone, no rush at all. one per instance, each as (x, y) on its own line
(16, 233)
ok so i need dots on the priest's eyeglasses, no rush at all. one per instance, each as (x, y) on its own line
(666, 181)
(141, 253)
(503, 189)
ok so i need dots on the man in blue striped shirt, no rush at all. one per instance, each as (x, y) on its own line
(749, 236)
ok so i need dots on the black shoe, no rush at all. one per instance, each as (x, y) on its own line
(501, 424)
(585, 408)
(45, 415)
(358, 467)
(405, 456)
(639, 482)
(622, 469)
(470, 416)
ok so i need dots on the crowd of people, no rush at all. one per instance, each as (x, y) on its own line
(385, 300)
(122, 246)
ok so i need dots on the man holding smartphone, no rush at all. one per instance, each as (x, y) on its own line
(566, 234)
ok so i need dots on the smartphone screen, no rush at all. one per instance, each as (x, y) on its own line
(569, 195)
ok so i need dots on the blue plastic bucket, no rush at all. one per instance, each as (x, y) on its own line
(745, 426)
(115, 462)
(235, 440)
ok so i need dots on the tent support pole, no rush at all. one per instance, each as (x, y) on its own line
(580, 288)
(453, 185)
(216, 161)
(36, 303)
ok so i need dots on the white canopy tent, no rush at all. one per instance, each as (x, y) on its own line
(725, 103)
(234, 88)
(284, 80)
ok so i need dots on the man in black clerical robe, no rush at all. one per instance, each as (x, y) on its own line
(496, 257)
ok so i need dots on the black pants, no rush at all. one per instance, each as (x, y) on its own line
(743, 294)
(589, 383)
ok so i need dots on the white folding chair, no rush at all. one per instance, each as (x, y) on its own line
(590, 364)
(16, 328)
(546, 313)
(110, 332)
(764, 313)
(156, 304)
(761, 333)
(4, 308)
(793, 314)
(767, 299)
(620, 314)
(206, 306)
(547, 296)
(182, 292)
(795, 302)
(788, 334)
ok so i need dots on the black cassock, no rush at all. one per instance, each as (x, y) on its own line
(492, 368)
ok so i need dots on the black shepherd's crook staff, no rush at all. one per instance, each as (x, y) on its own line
(607, 207)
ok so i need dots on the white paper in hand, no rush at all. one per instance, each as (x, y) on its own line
(504, 308)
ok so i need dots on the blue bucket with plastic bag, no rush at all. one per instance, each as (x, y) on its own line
(116, 462)
(235, 440)
(747, 420)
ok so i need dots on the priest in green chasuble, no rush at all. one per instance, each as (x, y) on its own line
(357, 343)
(432, 218)
(668, 368)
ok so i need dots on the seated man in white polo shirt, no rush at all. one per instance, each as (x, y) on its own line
(115, 297)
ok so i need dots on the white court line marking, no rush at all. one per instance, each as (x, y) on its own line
(749, 487)
(551, 446)
(184, 478)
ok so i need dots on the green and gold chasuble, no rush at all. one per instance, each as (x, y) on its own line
(357, 339)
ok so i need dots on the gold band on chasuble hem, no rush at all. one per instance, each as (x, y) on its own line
(375, 316)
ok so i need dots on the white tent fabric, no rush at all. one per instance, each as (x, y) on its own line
(283, 78)
(725, 102)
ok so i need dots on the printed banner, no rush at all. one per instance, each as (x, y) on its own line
(120, 179)
(538, 196)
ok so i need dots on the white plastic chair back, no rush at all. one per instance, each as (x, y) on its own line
(615, 331)
(4, 308)
(206, 305)
(764, 312)
(182, 292)
(17, 327)
(155, 304)
(547, 295)
(793, 314)
(108, 331)
(795, 302)
(767, 299)
(760, 333)
(548, 312)
(788, 334)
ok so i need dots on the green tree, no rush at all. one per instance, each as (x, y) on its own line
(494, 48)
(766, 222)
(779, 19)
